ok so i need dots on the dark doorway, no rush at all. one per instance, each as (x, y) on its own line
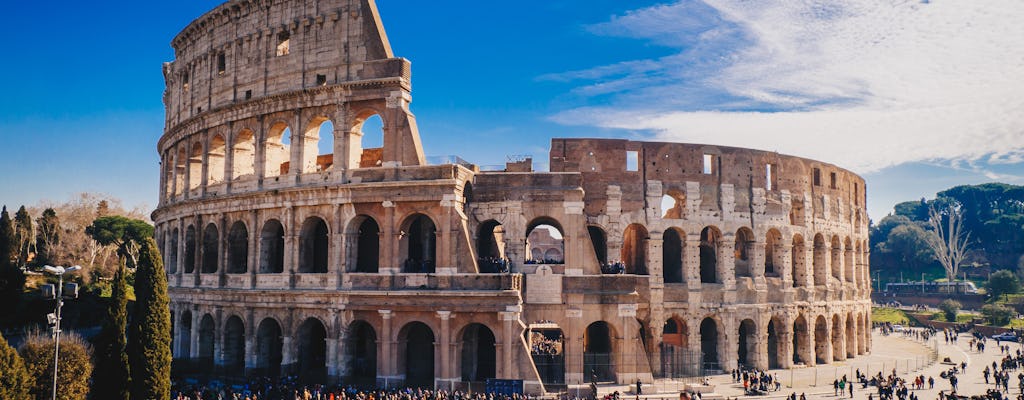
(479, 360)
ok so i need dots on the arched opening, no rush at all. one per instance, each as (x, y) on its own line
(420, 244)
(599, 240)
(672, 255)
(320, 137)
(207, 329)
(268, 348)
(172, 252)
(190, 249)
(710, 239)
(211, 249)
(820, 273)
(634, 249)
(709, 343)
(837, 259)
(195, 167)
(746, 352)
(773, 254)
(243, 157)
(313, 246)
(851, 337)
(215, 160)
(234, 346)
(673, 205)
(773, 344)
(547, 348)
(542, 235)
(597, 352)
(479, 359)
(490, 247)
(185, 335)
(367, 135)
(799, 261)
(238, 249)
(838, 349)
(368, 246)
(848, 264)
(417, 343)
(675, 358)
(272, 248)
(743, 251)
(180, 166)
(277, 150)
(362, 354)
(312, 357)
(801, 342)
(821, 341)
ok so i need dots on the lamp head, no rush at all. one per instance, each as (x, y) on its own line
(73, 268)
(53, 270)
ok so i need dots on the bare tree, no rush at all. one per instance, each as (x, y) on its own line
(948, 240)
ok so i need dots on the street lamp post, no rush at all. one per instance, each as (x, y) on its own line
(59, 271)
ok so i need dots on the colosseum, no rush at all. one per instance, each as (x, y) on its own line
(294, 249)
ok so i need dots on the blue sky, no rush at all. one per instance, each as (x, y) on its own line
(915, 96)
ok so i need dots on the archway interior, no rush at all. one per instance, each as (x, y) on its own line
(238, 249)
(747, 348)
(676, 359)
(369, 139)
(600, 242)
(325, 146)
(490, 247)
(597, 352)
(672, 205)
(837, 339)
(172, 252)
(837, 257)
(634, 249)
(545, 242)
(215, 160)
(272, 248)
(772, 253)
(709, 343)
(211, 240)
(421, 239)
(799, 262)
(801, 338)
(185, 334)
(268, 348)
(851, 337)
(820, 274)
(547, 346)
(368, 247)
(742, 252)
(190, 249)
(710, 239)
(244, 157)
(821, 341)
(206, 339)
(195, 167)
(312, 357)
(277, 151)
(419, 355)
(362, 354)
(313, 246)
(479, 358)
(773, 345)
(672, 256)
(234, 346)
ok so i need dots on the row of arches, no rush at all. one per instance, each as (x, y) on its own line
(251, 154)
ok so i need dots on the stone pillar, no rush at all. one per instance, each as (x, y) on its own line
(508, 343)
(337, 252)
(260, 152)
(229, 157)
(193, 347)
(179, 269)
(574, 374)
(728, 342)
(444, 346)
(786, 269)
(691, 264)
(297, 148)
(727, 262)
(839, 354)
(389, 263)
(222, 248)
(287, 354)
(445, 258)
(254, 246)
(385, 367)
(218, 337)
(757, 264)
(250, 342)
(761, 355)
(333, 346)
(291, 244)
(785, 348)
(197, 251)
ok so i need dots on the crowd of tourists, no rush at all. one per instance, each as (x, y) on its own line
(613, 267)
(287, 389)
(494, 265)
(756, 382)
(541, 345)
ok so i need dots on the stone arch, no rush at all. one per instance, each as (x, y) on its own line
(746, 352)
(673, 249)
(416, 357)
(185, 334)
(207, 333)
(837, 258)
(277, 150)
(367, 246)
(215, 160)
(318, 145)
(314, 245)
(851, 336)
(243, 155)
(599, 239)
(598, 351)
(743, 252)
(490, 247)
(238, 249)
(272, 247)
(799, 261)
(544, 233)
(674, 348)
(478, 355)
(361, 351)
(172, 252)
(180, 166)
(419, 244)
(311, 360)
(673, 205)
(366, 138)
(709, 343)
(821, 341)
(234, 345)
(190, 249)
(710, 240)
(547, 349)
(675, 333)
(820, 274)
(634, 249)
(211, 249)
(802, 353)
(553, 254)
(849, 267)
(773, 253)
(269, 343)
(838, 348)
(775, 355)
(195, 166)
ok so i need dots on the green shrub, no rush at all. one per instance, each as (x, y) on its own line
(996, 314)
(949, 309)
(75, 366)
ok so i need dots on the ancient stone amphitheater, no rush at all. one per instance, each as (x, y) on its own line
(293, 248)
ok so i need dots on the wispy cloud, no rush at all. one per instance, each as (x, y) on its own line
(865, 84)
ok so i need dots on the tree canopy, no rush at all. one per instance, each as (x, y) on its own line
(125, 233)
(1001, 283)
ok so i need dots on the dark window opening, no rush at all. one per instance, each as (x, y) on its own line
(248, 94)
(321, 80)
(222, 63)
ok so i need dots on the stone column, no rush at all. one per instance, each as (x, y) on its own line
(574, 374)
(786, 269)
(389, 263)
(691, 264)
(727, 262)
(508, 343)
(197, 250)
(785, 349)
(444, 346)
(287, 354)
(250, 342)
(259, 152)
(757, 263)
(761, 355)
(728, 342)
(291, 244)
(385, 368)
(254, 246)
(222, 258)
(840, 353)
(337, 252)
(193, 347)
(333, 346)
(218, 337)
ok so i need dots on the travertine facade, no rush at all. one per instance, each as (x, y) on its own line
(368, 265)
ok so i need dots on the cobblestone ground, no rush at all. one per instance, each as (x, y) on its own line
(910, 358)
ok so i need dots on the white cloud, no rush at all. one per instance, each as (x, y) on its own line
(864, 84)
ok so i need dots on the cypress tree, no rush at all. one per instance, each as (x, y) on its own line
(12, 280)
(151, 327)
(111, 378)
(23, 235)
(15, 381)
